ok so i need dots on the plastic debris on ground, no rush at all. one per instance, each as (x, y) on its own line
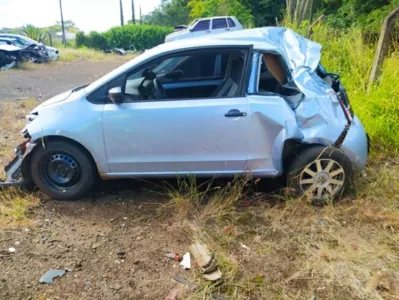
(49, 276)
(206, 262)
(175, 256)
(186, 262)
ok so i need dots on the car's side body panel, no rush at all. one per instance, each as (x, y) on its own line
(77, 119)
(176, 137)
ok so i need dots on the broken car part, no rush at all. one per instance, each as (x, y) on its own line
(49, 276)
(14, 173)
(206, 262)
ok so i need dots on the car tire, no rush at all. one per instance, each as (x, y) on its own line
(322, 174)
(62, 170)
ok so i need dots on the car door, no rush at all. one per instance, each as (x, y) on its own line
(219, 25)
(166, 136)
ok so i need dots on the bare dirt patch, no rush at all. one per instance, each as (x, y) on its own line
(44, 81)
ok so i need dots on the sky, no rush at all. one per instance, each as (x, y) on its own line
(88, 15)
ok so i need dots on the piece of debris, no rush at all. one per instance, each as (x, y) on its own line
(245, 247)
(186, 262)
(185, 282)
(11, 250)
(206, 262)
(121, 253)
(175, 256)
(49, 276)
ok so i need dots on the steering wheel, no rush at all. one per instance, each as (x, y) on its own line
(159, 91)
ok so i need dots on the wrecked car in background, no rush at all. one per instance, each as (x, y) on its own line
(247, 102)
(12, 52)
(24, 41)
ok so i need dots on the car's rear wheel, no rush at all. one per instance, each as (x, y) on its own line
(62, 170)
(320, 173)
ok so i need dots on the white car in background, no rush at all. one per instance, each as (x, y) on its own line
(53, 53)
(206, 26)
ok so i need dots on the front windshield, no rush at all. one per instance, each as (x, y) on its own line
(167, 65)
(192, 23)
(26, 41)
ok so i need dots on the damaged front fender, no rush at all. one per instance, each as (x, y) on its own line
(14, 174)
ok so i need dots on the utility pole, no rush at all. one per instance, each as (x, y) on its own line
(63, 27)
(121, 12)
(133, 13)
(141, 17)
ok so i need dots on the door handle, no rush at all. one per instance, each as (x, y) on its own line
(235, 113)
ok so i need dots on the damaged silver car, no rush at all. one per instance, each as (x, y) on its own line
(248, 102)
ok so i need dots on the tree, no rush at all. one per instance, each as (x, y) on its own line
(35, 33)
(265, 12)
(133, 13)
(169, 13)
(121, 12)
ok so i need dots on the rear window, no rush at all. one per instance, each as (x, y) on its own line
(202, 25)
(219, 23)
(231, 22)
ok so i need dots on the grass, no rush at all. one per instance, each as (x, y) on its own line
(71, 54)
(290, 249)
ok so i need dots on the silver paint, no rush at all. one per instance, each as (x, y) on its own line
(165, 138)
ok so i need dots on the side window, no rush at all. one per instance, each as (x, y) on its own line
(194, 75)
(202, 26)
(231, 22)
(219, 23)
(273, 76)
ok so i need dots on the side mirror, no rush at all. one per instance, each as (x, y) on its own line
(115, 95)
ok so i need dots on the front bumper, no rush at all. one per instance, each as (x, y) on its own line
(14, 176)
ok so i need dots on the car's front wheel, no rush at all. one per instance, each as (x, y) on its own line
(320, 173)
(62, 170)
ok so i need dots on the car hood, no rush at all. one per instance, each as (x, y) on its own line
(51, 48)
(77, 93)
(180, 32)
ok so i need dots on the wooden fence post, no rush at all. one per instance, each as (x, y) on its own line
(382, 47)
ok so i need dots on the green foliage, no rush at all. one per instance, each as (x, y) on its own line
(35, 33)
(169, 13)
(208, 8)
(265, 12)
(140, 36)
(80, 39)
(96, 40)
(365, 14)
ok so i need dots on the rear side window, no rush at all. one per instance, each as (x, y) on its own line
(219, 23)
(231, 22)
(202, 25)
